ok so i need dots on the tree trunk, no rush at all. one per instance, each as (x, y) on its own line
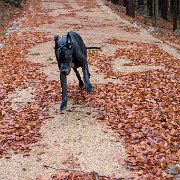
(153, 15)
(114, 1)
(164, 9)
(130, 8)
(154, 12)
(125, 3)
(149, 2)
(145, 11)
(136, 3)
(175, 14)
(169, 9)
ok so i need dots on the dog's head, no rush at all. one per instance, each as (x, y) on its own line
(63, 52)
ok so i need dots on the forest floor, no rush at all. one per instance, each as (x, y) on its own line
(128, 128)
(8, 14)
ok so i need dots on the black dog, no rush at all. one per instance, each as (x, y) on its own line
(71, 51)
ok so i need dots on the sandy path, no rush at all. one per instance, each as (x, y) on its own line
(75, 139)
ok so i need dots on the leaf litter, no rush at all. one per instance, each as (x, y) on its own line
(143, 109)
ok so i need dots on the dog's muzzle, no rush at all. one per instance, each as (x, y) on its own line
(66, 68)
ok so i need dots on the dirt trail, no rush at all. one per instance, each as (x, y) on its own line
(75, 139)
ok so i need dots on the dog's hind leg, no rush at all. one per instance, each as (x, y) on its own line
(81, 84)
(86, 74)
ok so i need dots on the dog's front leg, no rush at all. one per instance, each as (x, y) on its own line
(63, 79)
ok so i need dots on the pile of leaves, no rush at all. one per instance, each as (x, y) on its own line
(67, 4)
(144, 108)
(77, 175)
(37, 16)
(131, 29)
(87, 4)
(19, 129)
(77, 26)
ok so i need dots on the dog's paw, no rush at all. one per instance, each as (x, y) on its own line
(81, 84)
(89, 88)
(63, 105)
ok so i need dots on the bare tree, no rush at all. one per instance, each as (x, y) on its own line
(130, 8)
(154, 12)
(149, 4)
(164, 9)
(125, 3)
(145, 11)
(175, 14)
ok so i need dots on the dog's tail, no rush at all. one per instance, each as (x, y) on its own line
(94, 47)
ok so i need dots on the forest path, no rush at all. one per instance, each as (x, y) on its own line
(75, 139)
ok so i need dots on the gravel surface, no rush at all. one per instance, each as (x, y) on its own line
(75, 139)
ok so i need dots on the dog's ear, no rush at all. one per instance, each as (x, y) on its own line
(56, 39)
(69, 41)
